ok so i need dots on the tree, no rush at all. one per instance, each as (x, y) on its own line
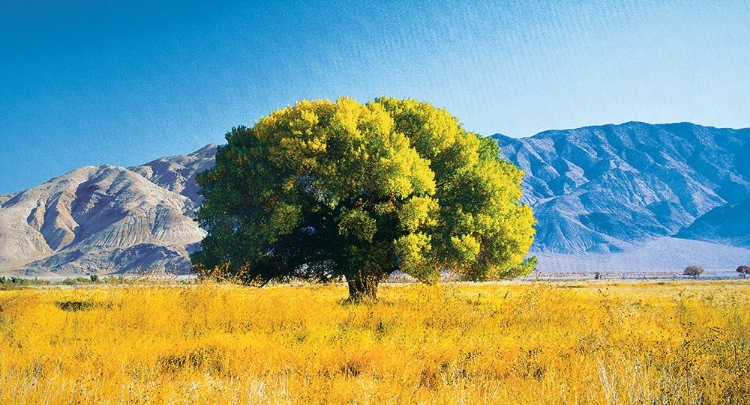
(693, 270)
(743, 270)
(324, 189)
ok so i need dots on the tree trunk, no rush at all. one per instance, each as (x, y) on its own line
(362, 288)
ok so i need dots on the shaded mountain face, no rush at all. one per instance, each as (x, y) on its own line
(727, 224)
(607, 188)
(107, 219)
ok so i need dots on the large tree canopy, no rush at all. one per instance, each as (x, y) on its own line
(326, 189)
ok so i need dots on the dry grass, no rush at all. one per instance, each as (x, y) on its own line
(544, 342)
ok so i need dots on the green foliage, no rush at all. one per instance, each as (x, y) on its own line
(14, 282)
(326, 189)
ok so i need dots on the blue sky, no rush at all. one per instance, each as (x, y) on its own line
(127, 81)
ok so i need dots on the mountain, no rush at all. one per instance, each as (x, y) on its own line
(608, 189)
(105, 220)
(728, 224)
(177, 173)
(631, 197)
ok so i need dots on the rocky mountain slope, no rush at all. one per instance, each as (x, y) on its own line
(177, 173)
(727, 224)
(610, 188)
(105, 219)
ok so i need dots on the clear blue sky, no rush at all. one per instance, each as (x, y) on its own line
(126, 81)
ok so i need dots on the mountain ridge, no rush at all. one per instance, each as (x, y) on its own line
(105, 219)
(602, 195)
(588, 186)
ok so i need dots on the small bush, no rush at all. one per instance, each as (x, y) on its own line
(115, 280)
(75, 305)
(693, 270)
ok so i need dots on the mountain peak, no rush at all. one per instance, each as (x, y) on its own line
(177, 173)
(208, 151)
(603, 187)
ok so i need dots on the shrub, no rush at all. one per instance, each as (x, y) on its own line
(693, 270)
(69, 281)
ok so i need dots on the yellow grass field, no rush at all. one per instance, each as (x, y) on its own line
(594, 342)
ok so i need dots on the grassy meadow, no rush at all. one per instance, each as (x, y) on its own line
(593, 342)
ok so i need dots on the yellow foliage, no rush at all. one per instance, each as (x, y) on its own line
(413, 249)
(418, 212)
(466, 247)
(519, 342)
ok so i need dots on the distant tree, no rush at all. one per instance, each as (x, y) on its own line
(326, 189)
(743, 270)
(693, 270)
